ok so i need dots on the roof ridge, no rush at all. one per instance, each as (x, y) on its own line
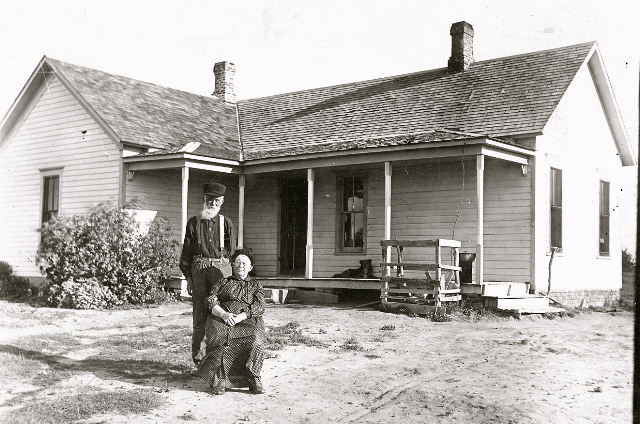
(132, 79)
(538, 52)
(410, 73)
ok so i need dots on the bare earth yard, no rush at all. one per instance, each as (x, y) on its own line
(351, 365)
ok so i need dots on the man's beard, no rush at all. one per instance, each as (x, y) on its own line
(209, 213)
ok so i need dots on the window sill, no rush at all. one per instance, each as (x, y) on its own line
(608, 257)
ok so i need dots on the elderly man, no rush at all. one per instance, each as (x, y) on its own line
(208, 245)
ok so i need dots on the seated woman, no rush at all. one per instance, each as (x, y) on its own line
(235, 330)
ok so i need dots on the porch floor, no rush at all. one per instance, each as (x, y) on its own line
(320, 283)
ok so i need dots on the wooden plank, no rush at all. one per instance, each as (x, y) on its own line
(517, 303)
(454, 298)
(421, 267)
(241, 187)
(413, 291)
(409, 243)
(387, 213)
(324, 283)
(448, 243)
(309, 249)
(408, 281)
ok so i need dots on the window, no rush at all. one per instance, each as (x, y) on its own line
(50, 197)
(604, 218)
(556, 208)
(352, 220)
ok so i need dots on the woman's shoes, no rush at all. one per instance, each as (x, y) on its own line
(256, 388)
(218, 390)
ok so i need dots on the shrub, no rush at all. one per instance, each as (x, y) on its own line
(102, 259)
(12, 285)
(6, 271)
(628, 262)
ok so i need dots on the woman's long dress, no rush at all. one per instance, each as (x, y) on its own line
(234, 354)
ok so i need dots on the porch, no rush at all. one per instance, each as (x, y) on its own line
(439, 190)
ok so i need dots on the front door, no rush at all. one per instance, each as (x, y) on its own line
(293, 226)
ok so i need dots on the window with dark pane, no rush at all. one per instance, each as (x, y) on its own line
(352, 217)
(556, 208)
(604, 219)
(50, 197)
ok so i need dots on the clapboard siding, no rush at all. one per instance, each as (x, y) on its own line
(577, 140)
(160, 190)
(507, 222)
(51, 137)
(427, 202)
(261, 226)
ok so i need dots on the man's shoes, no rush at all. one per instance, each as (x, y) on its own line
(193, 372)
(256, 388)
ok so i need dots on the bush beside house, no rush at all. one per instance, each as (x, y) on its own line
(102, 259)
(12, 285)
(627, 293)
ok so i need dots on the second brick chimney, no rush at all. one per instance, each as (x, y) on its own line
(461, 46)
(225, 76)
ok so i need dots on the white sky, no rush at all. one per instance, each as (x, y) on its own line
(283, 45)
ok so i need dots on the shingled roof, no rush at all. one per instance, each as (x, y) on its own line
(155, 116)
(494, 98)
(497, 98)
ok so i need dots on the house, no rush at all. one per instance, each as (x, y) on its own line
(512, 156)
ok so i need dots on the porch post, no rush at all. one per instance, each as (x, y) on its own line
(241, 183)
(387, 213)
(480, 228)
(183, 227)
(309, 265)
(123, 185)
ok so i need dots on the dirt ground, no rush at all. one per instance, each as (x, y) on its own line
(364, 366)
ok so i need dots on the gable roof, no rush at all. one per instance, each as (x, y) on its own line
(496, 98)
(150, 115)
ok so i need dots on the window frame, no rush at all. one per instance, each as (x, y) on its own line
(601, 215)
(340, 249)
(44, 174)
(558, 208)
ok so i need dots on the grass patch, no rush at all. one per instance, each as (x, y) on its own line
(352, 344)
(388, 327)
(72, 408)
(289, 335)
(16, 366)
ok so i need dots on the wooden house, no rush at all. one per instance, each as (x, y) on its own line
(512, 156)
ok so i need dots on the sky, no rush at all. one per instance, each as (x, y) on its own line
(284, 45)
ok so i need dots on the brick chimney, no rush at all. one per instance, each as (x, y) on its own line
(461, 46)
(225, 76)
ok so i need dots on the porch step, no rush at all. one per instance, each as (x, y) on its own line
(496, 289)
(529, 304)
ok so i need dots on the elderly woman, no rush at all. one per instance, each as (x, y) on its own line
(235, 330)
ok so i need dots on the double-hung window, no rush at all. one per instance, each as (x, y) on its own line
(556, 208)
(604, 219)
(50, 197)
(352, 219)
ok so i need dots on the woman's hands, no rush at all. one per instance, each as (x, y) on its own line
(233, 319)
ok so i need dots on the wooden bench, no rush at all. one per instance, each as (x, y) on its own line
(419, 295)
